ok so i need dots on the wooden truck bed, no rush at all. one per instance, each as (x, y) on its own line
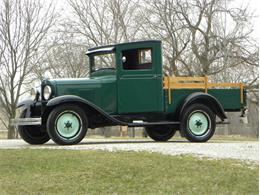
(176, 89)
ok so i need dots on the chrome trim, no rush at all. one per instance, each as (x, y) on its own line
(26, 121)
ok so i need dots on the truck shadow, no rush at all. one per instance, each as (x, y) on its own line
(126, 142)
(85, 142)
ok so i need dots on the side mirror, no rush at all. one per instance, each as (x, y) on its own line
(123, 59)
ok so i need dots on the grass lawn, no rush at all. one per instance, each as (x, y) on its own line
(96, 172)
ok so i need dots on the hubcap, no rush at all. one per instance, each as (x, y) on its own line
(198, 123)
(68, 124)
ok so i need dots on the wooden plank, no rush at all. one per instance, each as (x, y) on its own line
(241, 93)
(177, 79)
(169, 91)
(192, 82)
(196, 83)
(206, 84)
(189, 85)
(223, 84)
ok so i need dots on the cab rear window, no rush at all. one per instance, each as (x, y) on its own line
(137, 59)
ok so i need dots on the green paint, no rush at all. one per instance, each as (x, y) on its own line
(68, 125)
(140, 90)
(198, 123)
(228, 98)
(133, 91)
(99, 90)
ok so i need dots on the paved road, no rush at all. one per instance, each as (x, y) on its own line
(243, 150)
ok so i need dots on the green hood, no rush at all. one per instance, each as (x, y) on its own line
(99, 90)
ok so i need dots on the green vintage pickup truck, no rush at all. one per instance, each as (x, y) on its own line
(127, 87)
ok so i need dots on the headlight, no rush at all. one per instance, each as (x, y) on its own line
(47, 92)
(35, 93)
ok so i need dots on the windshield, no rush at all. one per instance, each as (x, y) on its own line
(103, 61)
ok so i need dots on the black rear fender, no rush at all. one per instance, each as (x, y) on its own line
(203, 98)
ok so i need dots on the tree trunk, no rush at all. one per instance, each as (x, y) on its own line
(11, 132)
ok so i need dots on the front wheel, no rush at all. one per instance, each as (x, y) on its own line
(198, 123)
(67, 124)
(32, 134)
(160, 132)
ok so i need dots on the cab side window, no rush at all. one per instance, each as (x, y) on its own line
(137, 59)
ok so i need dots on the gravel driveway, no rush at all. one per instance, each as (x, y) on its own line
(243, 150)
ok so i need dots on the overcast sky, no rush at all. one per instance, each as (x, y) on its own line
(254, 5)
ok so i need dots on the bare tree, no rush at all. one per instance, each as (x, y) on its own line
(67, 60)
(23, 27)
(63, 57)
(104, 22)
(215, 45)
(161, 22)
(202, 37)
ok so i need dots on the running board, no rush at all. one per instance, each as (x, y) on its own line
(144, 124)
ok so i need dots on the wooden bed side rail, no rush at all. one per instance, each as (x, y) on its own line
(171, 83)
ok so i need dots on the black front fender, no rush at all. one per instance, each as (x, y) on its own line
(206, 99)
(86, 105)
(32, 107)
(68, 99)
(24, 103)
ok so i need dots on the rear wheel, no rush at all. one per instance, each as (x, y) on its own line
(198, 123)
(32, 134)
(67, 124)
(160, 132)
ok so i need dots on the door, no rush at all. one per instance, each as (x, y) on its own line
(139, 85)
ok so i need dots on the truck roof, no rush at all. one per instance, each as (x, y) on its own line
(111, 47)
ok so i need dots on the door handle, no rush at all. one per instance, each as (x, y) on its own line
(157, 76)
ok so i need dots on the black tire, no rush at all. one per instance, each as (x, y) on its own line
(32, 134)
(198, 123)
(53, 127)
(160, 133)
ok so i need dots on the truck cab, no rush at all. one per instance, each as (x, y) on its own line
(126, 87)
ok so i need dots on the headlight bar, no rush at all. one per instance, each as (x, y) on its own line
(35, 93)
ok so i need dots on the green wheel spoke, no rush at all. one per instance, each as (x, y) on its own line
(198, 123)
(68, 124)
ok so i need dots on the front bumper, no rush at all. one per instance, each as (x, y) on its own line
(26, 121)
